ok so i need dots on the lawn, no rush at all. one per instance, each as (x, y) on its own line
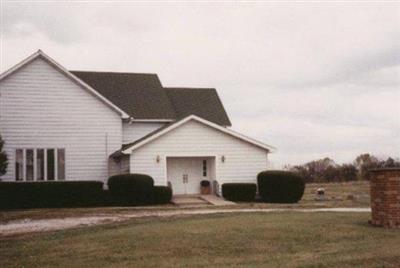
(287, 239)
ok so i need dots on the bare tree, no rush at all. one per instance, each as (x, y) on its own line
(363, 163)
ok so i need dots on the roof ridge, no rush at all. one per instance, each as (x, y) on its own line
(111, 72)
(190, 88)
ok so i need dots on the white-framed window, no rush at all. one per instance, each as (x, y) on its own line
(29, 164)
(61, 164)
(204, 168)
(19, 165)
(39, 164)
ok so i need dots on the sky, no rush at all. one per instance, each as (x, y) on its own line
(312, 79)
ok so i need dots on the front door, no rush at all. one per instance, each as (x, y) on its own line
(185, 174)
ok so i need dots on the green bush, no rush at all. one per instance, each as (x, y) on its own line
(280, 186)
(131, 189)
(239, 191)
(162, 195)
(15, 195)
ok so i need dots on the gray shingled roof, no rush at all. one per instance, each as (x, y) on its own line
(139, 95)
(143, 97)
(203, 102)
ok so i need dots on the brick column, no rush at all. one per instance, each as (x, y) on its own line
(385, 197)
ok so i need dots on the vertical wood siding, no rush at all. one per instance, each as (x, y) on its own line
(42, 108)
(134, 131)
(243, 161)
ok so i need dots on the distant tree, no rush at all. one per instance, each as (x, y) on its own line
(363, 163)
(318, 170)
(3, 159)
(389, 163)
(331, 173)
(303, 172)
(326, 170)
(348, 172)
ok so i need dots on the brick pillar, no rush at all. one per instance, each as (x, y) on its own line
(385, 197)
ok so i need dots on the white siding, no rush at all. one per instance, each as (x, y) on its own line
(242, 163)
(125, 169)
(42, 108)
(136, 130)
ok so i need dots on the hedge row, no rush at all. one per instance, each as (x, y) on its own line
(280, 186)
(273, 187)
(162, 195)
(124, 190)
(239, 191)
(131, 189)
(50, 194)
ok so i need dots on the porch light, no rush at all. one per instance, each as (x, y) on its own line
(158, 158)
(223, 158)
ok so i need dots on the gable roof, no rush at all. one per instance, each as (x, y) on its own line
(42, 55)
(203, 102)
(128, 148)
(143, 97)
(140, 95)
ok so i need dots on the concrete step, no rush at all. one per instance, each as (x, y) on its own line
(188, 200)
(216, 200)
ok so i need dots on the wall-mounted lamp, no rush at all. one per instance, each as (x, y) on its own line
(223, 158)
(158, 158)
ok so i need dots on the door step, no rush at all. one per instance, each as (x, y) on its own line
(187, 201)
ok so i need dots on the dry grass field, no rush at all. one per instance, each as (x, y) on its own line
(286, 239)
(346, 194)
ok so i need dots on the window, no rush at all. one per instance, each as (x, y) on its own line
(39, 164)
(50, 165)
(61, 164)
(204, 168)
(29, 164)
(19, 165)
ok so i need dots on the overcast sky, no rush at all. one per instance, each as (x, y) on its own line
(313, 80)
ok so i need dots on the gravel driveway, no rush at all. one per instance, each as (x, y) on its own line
(42, 225)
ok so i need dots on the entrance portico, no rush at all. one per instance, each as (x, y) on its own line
(184, 174)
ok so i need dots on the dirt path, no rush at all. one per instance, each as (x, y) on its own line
(42, 225)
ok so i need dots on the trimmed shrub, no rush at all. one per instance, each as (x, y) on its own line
(280, 186)
(239, 191)
(205, 183)
(162, 195)
(50, 194)
(131, 189)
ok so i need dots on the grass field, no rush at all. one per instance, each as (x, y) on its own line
(346, 194)
(241, 240)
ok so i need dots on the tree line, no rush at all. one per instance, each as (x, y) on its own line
(326, 170)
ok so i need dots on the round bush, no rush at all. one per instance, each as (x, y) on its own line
(239, 191)
(162, 195)
(131, 189)
(280, 186)
(205, 183)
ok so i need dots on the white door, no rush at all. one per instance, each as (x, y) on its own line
(185, 174)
